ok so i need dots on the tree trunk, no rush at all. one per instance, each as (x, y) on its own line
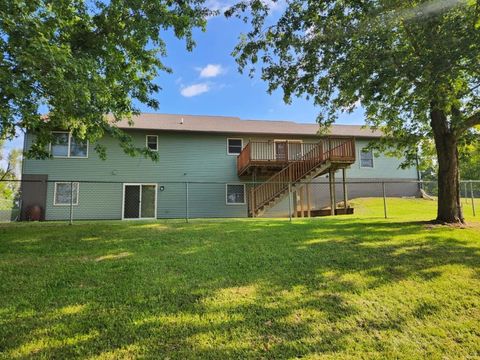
(449, 208)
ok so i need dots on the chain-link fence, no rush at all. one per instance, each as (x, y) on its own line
(67, 200)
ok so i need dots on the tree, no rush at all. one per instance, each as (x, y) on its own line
(80, 60)
(413, 66)
(12, 165)
(9, 169)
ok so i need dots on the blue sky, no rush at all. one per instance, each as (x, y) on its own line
(206, 82)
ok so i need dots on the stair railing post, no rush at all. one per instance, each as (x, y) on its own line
(473, 197)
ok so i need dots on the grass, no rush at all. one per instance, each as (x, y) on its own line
(342, 287)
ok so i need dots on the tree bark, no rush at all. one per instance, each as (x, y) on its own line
(449, 208)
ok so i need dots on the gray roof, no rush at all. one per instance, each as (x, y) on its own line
(235, 125)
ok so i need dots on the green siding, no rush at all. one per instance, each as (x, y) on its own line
(95, 201)
(383, 166)
(183, 157)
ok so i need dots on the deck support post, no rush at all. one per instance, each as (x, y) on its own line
(302, 214)
(345, 194)
(331, 181)
(252, 192)
(290, 202)
(252, 202)
(295, 204)
(309, 207)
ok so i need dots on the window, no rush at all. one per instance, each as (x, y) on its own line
(65, 145)
(63, 193)
(366, 159)
(234, 146)
(235, 194)
(60, 144)
(78, 148)
(152, 142)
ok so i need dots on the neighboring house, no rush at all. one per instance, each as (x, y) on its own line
(217, 158)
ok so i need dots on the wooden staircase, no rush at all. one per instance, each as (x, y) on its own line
(329, 154)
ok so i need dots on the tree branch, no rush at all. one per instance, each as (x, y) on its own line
(468, 123)
(7, 172)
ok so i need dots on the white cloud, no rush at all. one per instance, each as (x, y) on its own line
(195, 89)
(223, 5)
(220, 6)
(211, 70)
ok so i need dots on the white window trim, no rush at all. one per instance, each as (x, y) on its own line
(55, 193)
(234, 154)
(146, 142)
(226, 194)
(360, 160)
(68, 147)
(140, 206)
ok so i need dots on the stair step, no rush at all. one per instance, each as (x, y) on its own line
(320, 168)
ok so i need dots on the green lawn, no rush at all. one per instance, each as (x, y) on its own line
(345, 287)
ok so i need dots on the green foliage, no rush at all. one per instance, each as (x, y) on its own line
(334, 288)
(400, 60)
(9, 172)
(469, 161)
(470, 166)
(81, 60)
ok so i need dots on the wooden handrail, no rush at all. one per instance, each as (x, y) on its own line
(337, 149)
(244, 158)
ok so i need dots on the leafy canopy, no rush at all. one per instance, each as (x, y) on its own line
(399, 59)
(80, 60)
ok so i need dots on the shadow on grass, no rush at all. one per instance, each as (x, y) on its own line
(214, 289)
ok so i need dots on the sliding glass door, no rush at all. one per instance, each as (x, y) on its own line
(139, 201)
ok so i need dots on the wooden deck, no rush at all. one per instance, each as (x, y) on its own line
(267, 158)
(293, 164)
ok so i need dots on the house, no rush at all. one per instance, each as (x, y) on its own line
(209, 166)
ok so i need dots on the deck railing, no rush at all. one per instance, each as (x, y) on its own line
(337, 149)
(279, 153)
(271, 152)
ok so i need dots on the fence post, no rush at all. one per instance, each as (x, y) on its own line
(473, 197)
(71, 203)
(384, 200)
(466, 192)
(290, 201)
(186, 201)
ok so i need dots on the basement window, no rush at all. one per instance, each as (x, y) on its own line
(235, 194)
(366, 158)
(63, 194)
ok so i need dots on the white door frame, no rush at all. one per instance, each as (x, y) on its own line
(288, 147)
(140, 202)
